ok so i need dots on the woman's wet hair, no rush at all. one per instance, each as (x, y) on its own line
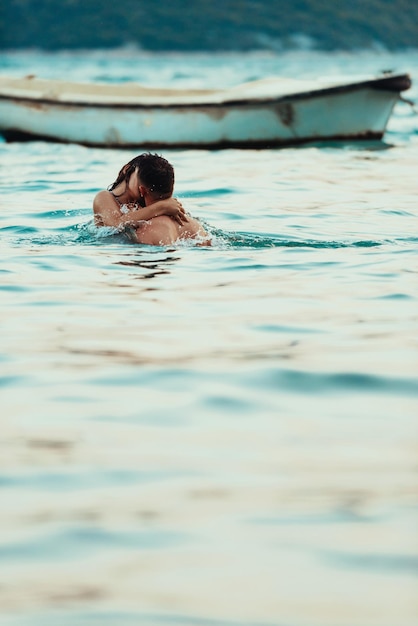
(155, 173)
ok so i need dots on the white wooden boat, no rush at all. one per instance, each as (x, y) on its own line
(263, 113)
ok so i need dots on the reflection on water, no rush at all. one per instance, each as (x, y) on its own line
(158, 267)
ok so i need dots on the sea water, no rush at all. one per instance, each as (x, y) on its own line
(221, 436)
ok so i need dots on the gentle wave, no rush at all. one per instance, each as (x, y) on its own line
(87, 233)
(79, 542)
(120, 618)
(405, 564)
(254, 241)
(268, 379)
(73, 481)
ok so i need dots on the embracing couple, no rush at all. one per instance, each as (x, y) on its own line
(140, 202)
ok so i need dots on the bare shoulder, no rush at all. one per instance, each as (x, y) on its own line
(193, 229)
(105, 209)
(102, 199)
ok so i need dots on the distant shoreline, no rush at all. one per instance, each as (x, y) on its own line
(235, 26)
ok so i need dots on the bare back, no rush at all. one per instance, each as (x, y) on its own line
(163, 231)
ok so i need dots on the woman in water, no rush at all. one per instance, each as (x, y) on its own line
(122, 205)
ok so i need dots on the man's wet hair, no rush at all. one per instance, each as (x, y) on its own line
(154, 172)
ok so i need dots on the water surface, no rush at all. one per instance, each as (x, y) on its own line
(219, 436)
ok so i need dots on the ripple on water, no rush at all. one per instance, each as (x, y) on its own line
(13, 381)
(274, 379)
(260, 241)
(328, 383)
(405, 564)
(121, 618)
(87, 233)
(77, 542)
(74, 481)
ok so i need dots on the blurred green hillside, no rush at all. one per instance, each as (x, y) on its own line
(206, 25)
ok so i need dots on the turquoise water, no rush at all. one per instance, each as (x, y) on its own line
(220, 436)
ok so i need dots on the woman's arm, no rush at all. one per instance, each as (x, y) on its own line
(107, 211)
(170, 207)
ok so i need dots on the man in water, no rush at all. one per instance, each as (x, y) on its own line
(140, 202)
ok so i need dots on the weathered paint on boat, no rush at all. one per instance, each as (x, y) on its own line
(269, 112)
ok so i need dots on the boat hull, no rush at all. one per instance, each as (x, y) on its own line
(356, 112)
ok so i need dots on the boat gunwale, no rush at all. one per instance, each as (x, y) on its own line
(394, 83)
(12, 135)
